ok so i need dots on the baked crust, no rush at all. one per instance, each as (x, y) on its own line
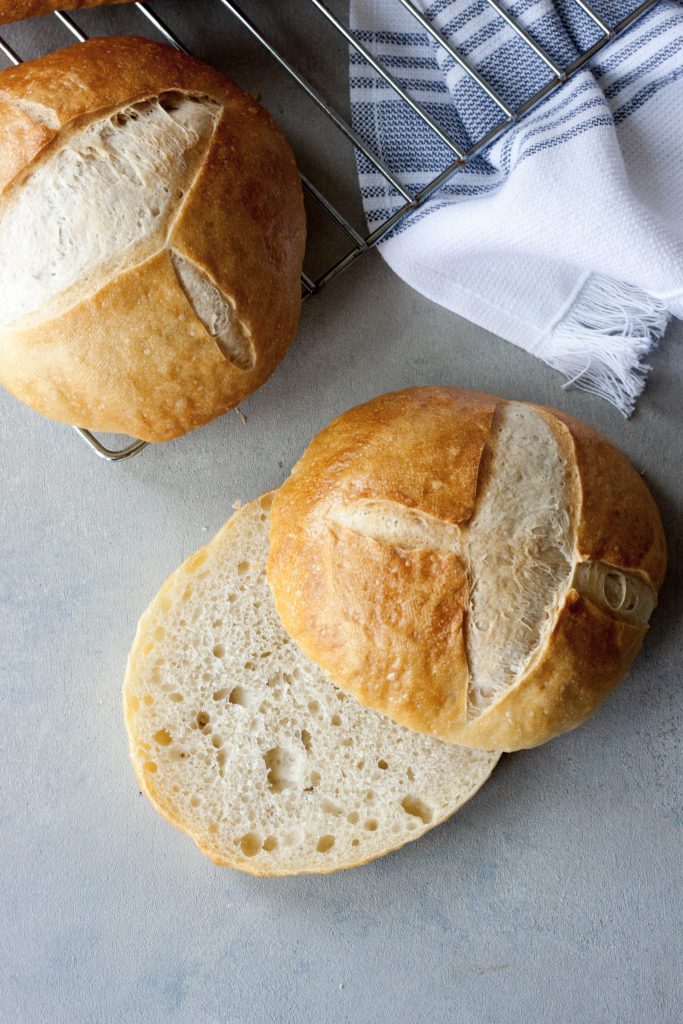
(619, 522)
(587, 653)
(387, 624)
(16, 10)
(383, 623)
(131, 356)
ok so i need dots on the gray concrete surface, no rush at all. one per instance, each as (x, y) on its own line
(553, 896)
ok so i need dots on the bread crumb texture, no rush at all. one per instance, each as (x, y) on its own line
(243, 743)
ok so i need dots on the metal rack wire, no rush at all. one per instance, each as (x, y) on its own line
(360, 243)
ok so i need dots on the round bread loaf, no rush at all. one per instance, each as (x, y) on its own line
(151, 239)
(243, 743)
(476, 569)
(15, 10)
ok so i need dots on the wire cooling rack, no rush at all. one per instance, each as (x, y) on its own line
(358, 242)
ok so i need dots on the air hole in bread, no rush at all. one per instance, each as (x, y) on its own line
(335, 720)
(239, 696)
(219, 651)
(325, 844)
(203, 718)
(370, 825)
(250, 844)
(353, 818)
(163, 738)
(331, 808)
(382, 764)
(306, 740)
(281, 766)
(270, 844)
(221, 694)
(417, 808)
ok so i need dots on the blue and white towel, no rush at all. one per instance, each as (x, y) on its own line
(566, 235)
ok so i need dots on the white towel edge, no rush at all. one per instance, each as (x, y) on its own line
(600, 342)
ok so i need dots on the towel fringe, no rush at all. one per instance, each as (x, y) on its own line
(600, 343)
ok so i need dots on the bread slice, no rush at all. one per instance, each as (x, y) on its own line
(239, 740)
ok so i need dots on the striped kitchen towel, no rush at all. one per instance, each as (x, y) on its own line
(565, 236)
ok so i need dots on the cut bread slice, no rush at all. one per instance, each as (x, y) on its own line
(242, 742)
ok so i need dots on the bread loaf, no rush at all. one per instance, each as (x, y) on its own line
(476, 569)
(243, 743)
(151, 239)
(15, 10)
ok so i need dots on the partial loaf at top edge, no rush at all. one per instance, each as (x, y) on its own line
(477, 569)
(17, 10)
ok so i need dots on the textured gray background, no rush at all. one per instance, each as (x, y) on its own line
(553, 896)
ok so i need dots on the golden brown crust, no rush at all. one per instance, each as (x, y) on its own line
(420, 447)
(21, 138)
(254, 255)
(133, 357)
(618, 522)
(183, 371)
(16, 10)
(586, 655)
(387, 624)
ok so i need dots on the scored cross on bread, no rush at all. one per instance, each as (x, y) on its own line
(152, 231)
(477, 569)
